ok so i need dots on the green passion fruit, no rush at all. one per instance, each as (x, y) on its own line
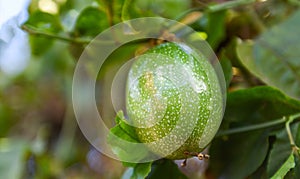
(174, 100)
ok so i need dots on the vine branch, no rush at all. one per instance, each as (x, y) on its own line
(273, 123)
(291, 119)
(34, 31)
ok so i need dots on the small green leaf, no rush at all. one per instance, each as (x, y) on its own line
(286, 166)
(281, 150)
(124, 132)
(274, 56)
(294, 172)
(90, 22)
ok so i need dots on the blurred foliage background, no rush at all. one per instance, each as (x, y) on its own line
(39, 48)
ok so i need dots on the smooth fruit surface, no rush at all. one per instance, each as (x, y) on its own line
(174, 99)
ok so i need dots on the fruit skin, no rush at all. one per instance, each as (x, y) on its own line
(172, 93)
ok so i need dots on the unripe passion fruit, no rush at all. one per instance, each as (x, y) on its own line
(173, 93)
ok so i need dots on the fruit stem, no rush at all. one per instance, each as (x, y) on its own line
(259, 126)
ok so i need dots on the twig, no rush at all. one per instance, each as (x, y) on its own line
(258, 126)
(35, 31)
(295, 148)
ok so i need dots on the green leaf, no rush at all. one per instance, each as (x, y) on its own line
(43, 22)
(126, 132)
(123, 131)
(90, 22)
(227, 69)
(166, 169)
(245, 55)
(274, 56)
(139, 171)
(281, 150)
(287, 166)
(216, 28)
(238, 156)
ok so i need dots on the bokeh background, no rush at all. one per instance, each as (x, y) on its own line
(40, 43)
